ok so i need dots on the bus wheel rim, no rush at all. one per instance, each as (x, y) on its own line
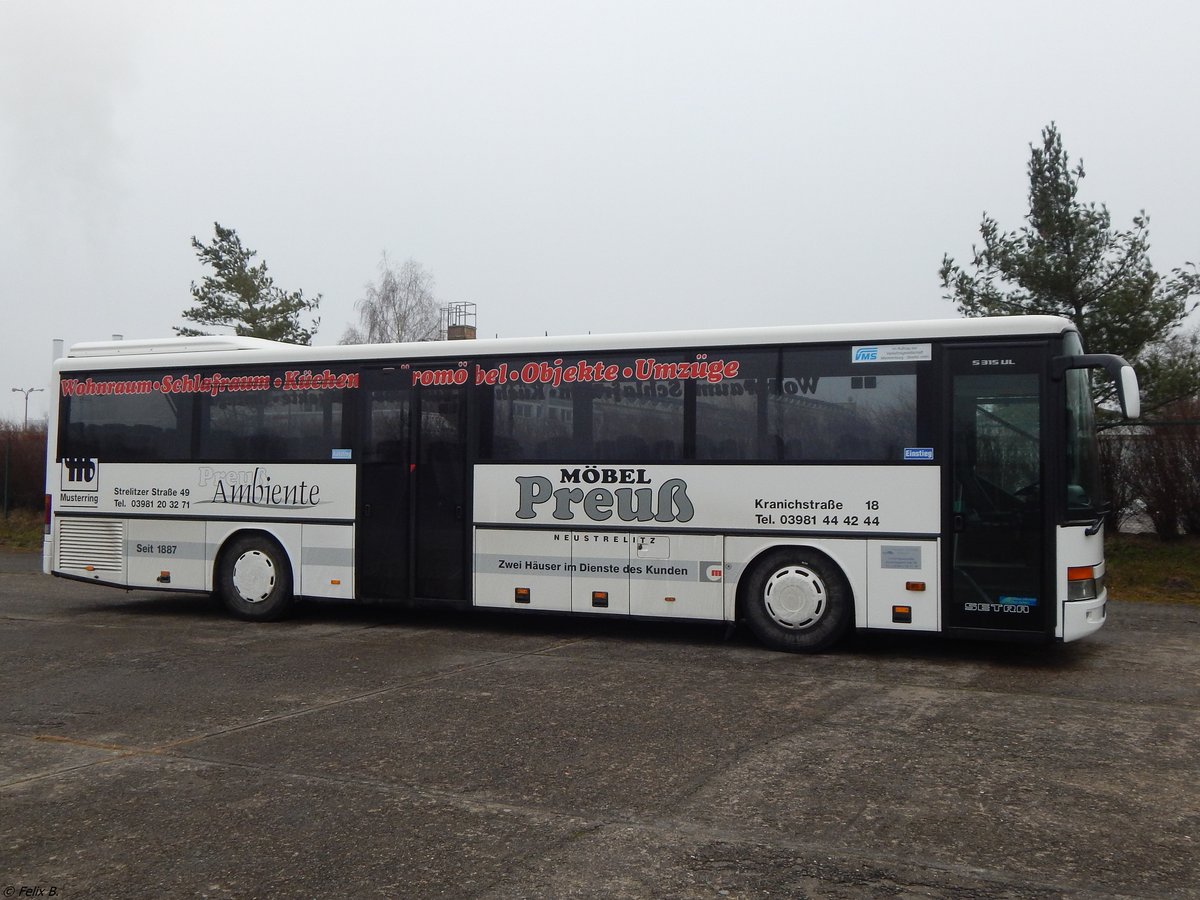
(795, 597)
(254, 576)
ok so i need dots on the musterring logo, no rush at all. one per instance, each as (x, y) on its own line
(79, 471)
(669, 503)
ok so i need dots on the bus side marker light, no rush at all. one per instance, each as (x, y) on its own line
(600, 599)
(335, 581)
(669, 599)
(521, 595)
(89, 568)
(914, 585)
(902, 615)
(164, 577)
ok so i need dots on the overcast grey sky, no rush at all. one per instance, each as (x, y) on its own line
(568, 166)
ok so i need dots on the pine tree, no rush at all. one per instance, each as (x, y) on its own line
(243, 296)
(1068, 260)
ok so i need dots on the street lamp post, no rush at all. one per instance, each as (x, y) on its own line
(26, 392)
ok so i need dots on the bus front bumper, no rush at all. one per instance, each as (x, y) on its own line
(1083, 617)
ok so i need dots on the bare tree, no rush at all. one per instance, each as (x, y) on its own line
(399, 307)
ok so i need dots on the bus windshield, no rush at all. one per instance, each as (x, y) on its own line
(1085, 496)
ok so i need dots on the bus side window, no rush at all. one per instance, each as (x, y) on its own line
(731, 415)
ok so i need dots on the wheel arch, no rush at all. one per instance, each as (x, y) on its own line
(231, 537)
(796, 597)
(838, 554)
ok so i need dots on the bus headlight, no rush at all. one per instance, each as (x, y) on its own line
(1082, 583)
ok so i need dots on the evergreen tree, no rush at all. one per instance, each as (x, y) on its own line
(1067, 260)
(242, 296)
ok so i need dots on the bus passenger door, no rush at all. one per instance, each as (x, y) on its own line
(383, 568)
(439, 492)
(995, 512)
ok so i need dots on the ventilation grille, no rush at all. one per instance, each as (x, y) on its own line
(99, 543)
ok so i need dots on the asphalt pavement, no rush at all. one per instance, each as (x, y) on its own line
(151, 746)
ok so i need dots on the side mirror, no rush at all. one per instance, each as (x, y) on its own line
(1118, 370)
(1131, 399)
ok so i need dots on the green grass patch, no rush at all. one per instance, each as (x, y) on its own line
(1143, 568)
(21, 530)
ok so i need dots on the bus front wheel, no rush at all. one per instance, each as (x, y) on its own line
(798, 600)
(254, 579)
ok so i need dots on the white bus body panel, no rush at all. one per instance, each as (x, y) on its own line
(150, 526)
(327, 561)
(668, 576)
(233, 350)
(1079, 618)
(206, 490)
(180, 555)
(678, 575)
(168, 554)
(600, 573)
(878, 572)
(858, 500)
(903, 573)
(564, 533)
(538, 561)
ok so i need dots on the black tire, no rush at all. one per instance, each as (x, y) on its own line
(254, 579)
(798, 600)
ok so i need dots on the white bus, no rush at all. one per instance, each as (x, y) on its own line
(935, 477)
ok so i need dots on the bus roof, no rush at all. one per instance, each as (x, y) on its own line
(234, 349)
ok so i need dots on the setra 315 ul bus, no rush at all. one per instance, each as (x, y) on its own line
(935, 477)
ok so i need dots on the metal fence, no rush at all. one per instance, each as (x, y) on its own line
(1152, 475)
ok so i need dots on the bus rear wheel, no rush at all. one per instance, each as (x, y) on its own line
(254, 579)
(798, 600)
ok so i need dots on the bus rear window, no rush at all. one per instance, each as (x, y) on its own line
(122, 419)
(157, 416)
